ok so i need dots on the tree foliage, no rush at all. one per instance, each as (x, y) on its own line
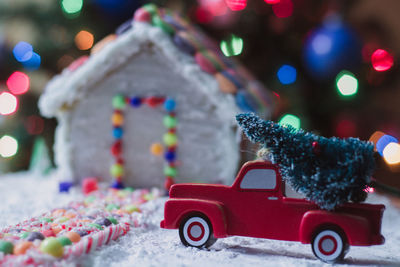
(327, 171)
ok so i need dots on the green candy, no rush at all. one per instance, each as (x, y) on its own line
(111, 207)
(63, 219)
(118, 102)
(65, 241)
(52, 246)
(169, 122)
(170, 139)
(112, 220)
(151, 8)
(158, 22)
(131, 208)
(117, 170)
(170, 171)
(89, 199)
(24, 235)
(95, 225)
(6, 247)
(49, 220)
(129, 189)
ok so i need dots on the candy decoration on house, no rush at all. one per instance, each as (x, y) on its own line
(157, 54)
(79, 228)
(328, 171)
(119, 103)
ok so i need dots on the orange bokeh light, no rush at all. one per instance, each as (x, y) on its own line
(84, 40)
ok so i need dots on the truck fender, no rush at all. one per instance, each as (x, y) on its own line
(355, 228)
(213, 210)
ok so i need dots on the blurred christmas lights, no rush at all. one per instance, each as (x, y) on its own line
(283, 9)
(346, 83)
(391, 153)
(233, 46)
(236, 5)
(84, 40)
(34, 125)
(381, 60)
(8, 146)
(8, 103)
(18, 83)
(71, 7)
(346, 128)
(290, 119)
(272, 2)
(383, 142)
(22, 51)
(375, 137)
(33, 63)
(287, 74)
(369, 189)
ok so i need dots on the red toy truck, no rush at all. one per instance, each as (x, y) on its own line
(256, 206)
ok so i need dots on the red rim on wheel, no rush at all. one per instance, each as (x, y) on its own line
(328, 246)
(196, 231)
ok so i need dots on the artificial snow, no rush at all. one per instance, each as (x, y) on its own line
(23, 196)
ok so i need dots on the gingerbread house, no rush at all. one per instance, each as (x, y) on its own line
(155, 100)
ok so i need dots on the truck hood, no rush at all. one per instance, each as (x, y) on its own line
(203, 191)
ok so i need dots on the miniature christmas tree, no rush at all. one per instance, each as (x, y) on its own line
(327, 171)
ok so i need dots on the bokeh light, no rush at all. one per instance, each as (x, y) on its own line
(346, 128)
(34, 125)
(233, 46)
(383, 142)
(33, 63)
(391, 153)
(287, 74)
(84, 40)
(283, 9)
(23, 51)
(8, 103)
(346, 83)
(236, 5)
(375, 137)
(71, 6)
(290, 119)
(322, 44)
(381, 60)
(18, 83)
(8, 146)
(272, 2)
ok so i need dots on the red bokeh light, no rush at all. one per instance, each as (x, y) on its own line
(272, 2)
(346, 128)
(283, 9)
(34, 125)
(203, 15)
(18, 83)
(236, 5)
(381, 60)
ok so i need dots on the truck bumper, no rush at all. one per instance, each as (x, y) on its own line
(378, 240)
(162, 224)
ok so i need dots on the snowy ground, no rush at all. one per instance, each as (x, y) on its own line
(22, 196)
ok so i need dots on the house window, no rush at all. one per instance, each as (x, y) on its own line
(259, 179)
(119, 103)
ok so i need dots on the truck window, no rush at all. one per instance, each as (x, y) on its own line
(259, 179)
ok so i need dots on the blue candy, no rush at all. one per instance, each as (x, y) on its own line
(136, 101)
(117, 185)
(169, 105)
(170, 156)
(117, 133)
(64, 186)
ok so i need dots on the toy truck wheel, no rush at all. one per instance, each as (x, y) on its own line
(196, 231)
(329, 245)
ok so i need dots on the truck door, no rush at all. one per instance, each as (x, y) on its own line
(260, 203)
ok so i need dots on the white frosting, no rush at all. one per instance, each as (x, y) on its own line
(143, 61)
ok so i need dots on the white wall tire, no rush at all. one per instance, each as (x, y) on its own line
(196, 231)
(329, 246)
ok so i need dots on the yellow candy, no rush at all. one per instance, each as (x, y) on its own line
(156, 149)
(117, 119)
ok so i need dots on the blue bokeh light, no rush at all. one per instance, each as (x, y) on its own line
(33, 63)
(383, 142)
(287, 74)
(23, 51)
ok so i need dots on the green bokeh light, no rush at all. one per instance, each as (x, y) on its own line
(71, 6)
(346, 83)
(233, 46)
(290, 119)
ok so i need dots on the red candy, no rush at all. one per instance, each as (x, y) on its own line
(204, 63)
(89, 185)
(48, 233)
(142, 15)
